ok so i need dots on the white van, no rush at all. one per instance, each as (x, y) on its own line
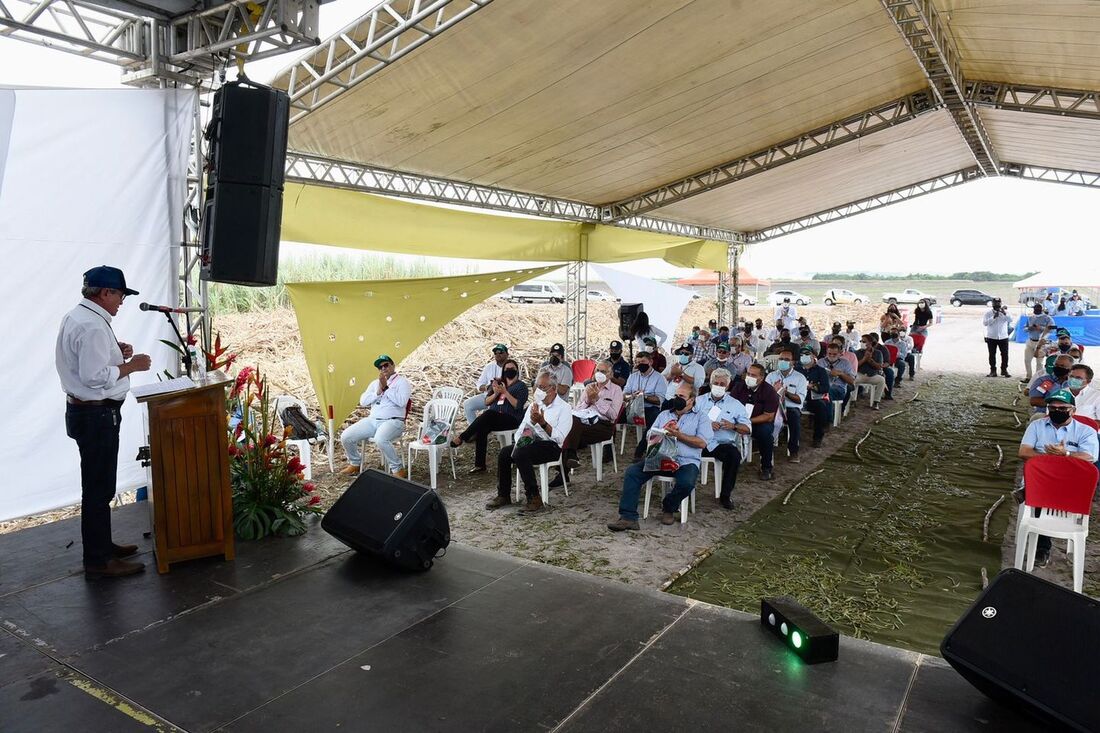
(536, 291)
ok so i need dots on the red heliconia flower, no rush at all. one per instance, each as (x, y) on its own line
(309, 487)
(238, 430)
(270, 440)
(234, 451)
(295, 466)
(314, 500)
(229, 360)
(191, 339)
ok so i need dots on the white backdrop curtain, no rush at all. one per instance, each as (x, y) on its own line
(664, 304)
(87, 177)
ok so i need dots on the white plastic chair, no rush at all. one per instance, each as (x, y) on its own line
(705, 465)
(669, 482)
(639, 431)
(281, 403)
(448, 393)
(544, 479)
(597, 457)
(504, 437)
(746, 447)
(442, 409)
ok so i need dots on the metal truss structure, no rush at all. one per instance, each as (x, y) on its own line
(153, 50)
(935, 50)
(871, 203)
(880, 117)
(729, 297)
(1043, 100)
(361, 49)
(192, 290)
(576, 310)
(1052, 175)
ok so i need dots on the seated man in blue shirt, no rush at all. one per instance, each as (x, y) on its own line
(1058, 434)
(818, 401)
(692, 431)
(1047, 384)
(729, 419)
(842, 376)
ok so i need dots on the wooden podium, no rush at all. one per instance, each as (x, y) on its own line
(190, 496)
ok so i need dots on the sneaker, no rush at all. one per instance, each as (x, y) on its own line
(400, 473)
(1025, 380)
(497, 502)
(476, 469)
(668, 518)
(726, 502)
(1042, 557)
(1005, 374)
(622, 525)
(534, 505)
(794, 458)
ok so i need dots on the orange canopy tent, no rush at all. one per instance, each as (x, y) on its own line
(710, 277)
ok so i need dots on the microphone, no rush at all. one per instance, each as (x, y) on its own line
(166, 309)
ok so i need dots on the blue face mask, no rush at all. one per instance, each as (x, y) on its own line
(684, 359)
(784, 365)
(1075, 383)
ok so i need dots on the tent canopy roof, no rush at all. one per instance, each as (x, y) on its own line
(1088, 277)
(601, 102)
(710, 277)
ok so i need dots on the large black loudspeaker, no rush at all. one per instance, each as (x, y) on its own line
(627, 314)
(1032, 645)
(242, 217)
(401, 521)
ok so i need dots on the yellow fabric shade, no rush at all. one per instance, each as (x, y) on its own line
(346, 325)
(344, 218)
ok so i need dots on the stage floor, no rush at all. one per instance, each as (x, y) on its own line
(302, 634)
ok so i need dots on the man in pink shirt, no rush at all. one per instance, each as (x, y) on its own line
(594, 416)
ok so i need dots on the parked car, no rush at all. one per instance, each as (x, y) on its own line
(970, 296)
(536, 291)
(776, 298)
(600, 295)
(840, 295)
(746, 299)
(909, 295)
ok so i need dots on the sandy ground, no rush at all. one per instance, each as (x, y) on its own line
(573, 533)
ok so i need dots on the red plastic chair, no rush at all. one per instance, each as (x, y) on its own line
(918, 341)
(1061, 489)
(583, 369)
(1087, 421)
(893, 352)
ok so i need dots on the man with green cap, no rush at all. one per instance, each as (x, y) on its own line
(388, 397)
(1058, 434)
(1054, 378)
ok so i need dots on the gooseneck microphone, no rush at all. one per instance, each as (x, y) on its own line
(167, 309)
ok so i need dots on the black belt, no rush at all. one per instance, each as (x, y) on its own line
(93, 403)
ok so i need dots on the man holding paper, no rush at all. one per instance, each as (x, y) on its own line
(728, 420)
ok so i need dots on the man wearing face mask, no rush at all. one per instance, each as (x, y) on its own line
(764, 403)
(901, 341)
(1058, 434)
(1039, 324)
(550, 419)
(683, 369)
(699, 341)
(473, 405)
(720, 360)
(852, 336)
(998, 327)
(656, 359)
(806, 339)
(739, 359)
(646, 381)
(818, 402)
(505, 403)
(1045, 385)
(1075, 306)
(842, 377)
(728, 420)
(791, 385)
(872, 366)
(1063, 344)
(620, 367)
(594, 416)
(1086, 399)
(560, 368)
(786, 313)
(784, 342)
(692, 431)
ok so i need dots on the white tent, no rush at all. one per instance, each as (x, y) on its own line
(1075, 277)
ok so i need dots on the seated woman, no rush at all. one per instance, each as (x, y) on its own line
(922, 319)
(506, 402)
(891, 319)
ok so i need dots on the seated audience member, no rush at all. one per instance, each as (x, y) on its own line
(784, 342)
(818, 402)
(872, 365)
(692, 431)
(748, 338)
(728, 418)
(721, 336)
(594, 417)
(890, 320)
(489, 375)
(1058, 434)
(1086, 399)
(754, 394)
(740, 358)
(760, 340)
(505, 403)
(836, 330)
(721, 359)
(806, 339)
(842, 377)
(786, 313)
(642, 331)
(560, 368)
(803, 325)
(1049, 382)
(1062, 345)
(773, 334)
(620, 367)
(791, 385)
(388, 397)
(887, 370)
(904, 344)
(683, 369)
(656, 357)
(922, 319)
(1075, 354)
(852, 336)
(1075, 306)
(549, 419)
(651, 384)
(699, 341)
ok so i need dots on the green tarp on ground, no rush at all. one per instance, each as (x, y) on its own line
(888, 548)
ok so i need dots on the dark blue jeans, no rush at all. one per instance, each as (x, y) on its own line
(763, 438)
(635, 478)
(793, 416)
(95, 430)
(822, 412)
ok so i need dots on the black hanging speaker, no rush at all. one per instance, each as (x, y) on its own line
(1034, 646)
(401, 521)
(242, 217)
(627, 313)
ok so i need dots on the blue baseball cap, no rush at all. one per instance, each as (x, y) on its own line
(106, 276)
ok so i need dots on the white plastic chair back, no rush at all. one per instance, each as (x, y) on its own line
(448, 393)
(281, 403)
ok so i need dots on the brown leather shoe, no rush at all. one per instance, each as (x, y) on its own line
(349, 471)
(400, 473)
(497, 502)
(668, 518)
(113, 569)
(534, 505)
(121, 551)
(622, 525)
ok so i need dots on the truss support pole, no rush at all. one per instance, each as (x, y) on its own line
(576, 309)
(734, 254)
(192, 290)
(722, 295)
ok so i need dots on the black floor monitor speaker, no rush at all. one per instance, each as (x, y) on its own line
(1033, 645)
(627, 313)
(401, 521)
(242, 217)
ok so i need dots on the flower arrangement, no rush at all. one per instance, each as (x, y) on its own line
(269, 496)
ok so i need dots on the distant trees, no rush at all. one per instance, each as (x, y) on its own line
(976, 276)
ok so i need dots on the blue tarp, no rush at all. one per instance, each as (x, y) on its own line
(1084, 329)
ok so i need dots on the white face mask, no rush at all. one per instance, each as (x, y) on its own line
(600, 377)
(751, 382)
(540, 394)
(717, 391)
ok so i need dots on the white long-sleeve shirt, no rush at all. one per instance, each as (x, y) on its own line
(491, 371)
(388, 404)
(558, 414)
(997, 325)
(88, 356)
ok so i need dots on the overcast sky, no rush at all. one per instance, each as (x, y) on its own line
(1000, 225)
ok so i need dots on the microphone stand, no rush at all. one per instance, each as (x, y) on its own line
(183, 344)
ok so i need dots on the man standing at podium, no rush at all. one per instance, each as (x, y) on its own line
(95, 369)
